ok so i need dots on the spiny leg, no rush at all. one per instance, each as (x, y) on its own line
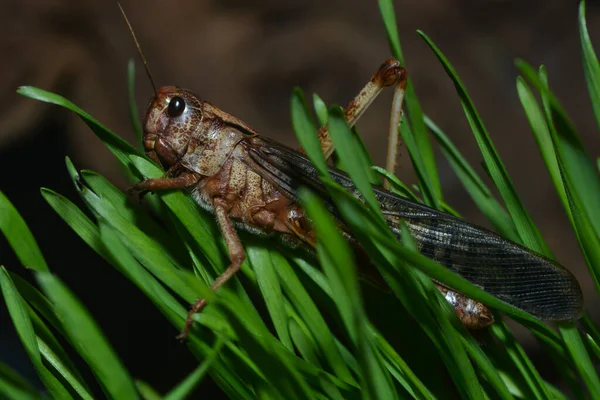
(393, 136)
(388, 74)
(236, 255)
(182, 181)
(473, 314)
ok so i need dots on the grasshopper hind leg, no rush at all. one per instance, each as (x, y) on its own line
(473, 314)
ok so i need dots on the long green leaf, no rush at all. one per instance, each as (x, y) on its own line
(19, 236)
(88, 340)
(591, 67)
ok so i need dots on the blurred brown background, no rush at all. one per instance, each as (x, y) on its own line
(245, 57)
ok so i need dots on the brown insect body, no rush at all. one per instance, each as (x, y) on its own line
(250, 180)
(204, 144)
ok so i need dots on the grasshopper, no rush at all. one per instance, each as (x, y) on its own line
(250, 182)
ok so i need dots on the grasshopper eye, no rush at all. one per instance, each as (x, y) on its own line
(176, 107)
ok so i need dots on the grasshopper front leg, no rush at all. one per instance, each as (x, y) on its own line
(182, 181)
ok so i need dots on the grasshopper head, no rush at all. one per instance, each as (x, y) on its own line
(174, 114)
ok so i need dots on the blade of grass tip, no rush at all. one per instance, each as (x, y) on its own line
(578, 174)
(270, 288)
(594, 346)
(581, 358)
(479, 192)
(234, 386)
(337, 260)
(591, 67)
(76, 219)
(556, 119)
(19, 236)
(22, 323)
(119, 147)
(146, 391)
(540, 130)
(88, 340)
(590, 327)
(579, 170)
(528, 231)
(185, 388)
(133, 110)
(428, 176)
(397, 186)
(305, 130)
(320, 109)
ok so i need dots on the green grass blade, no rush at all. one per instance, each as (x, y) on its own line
(479, 192)
(200, 226)
(418, 136)
(578, 173)
(22, 323)
(270, 288)
(335, 256)
(528, 232)
(348, 148)
(540, 130)
(14, 387)
(305, 129)
(86, 337)
(56, 362)
(185, 388)
(310, 314)
(146, 391)
(430, 197)
(581, 359)
(46, 340)
(76, 219)
(321, 109)
(133, 110)
(510, 347)
(591, 67)
(486, 368)
(119, 147)
(401, 371)
(397, 186)
(19, 236)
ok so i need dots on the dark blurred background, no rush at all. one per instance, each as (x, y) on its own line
(245, 57)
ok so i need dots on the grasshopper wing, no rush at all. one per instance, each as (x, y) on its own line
(513, 273)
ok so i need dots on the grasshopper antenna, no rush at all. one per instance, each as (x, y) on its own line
(139, 48)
